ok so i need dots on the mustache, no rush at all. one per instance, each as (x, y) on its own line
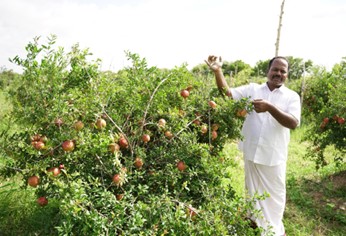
(276, 76)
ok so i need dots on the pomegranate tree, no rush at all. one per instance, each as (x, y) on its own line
(134, 136)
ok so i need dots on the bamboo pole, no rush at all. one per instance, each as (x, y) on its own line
(277, 44)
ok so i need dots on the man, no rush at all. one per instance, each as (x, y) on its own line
(266, 133)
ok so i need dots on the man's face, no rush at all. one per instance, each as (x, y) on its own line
(277, 74)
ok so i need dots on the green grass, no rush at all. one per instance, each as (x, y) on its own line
(19, 213)
(235, 172)
(316, 199)
(4, 108)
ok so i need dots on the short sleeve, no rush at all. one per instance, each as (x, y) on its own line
(242, 91)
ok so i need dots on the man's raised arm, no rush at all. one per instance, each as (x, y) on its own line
(215, 64)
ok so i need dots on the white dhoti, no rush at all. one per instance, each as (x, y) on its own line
(260, 179)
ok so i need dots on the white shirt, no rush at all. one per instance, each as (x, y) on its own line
(265, 139)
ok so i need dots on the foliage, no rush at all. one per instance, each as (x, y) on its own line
(233, 68)
(261, 68)
(229, 68)
(136, 187)
(310, 193)
(298, 67)
(7, 77)
(201, 70)
(324, 109)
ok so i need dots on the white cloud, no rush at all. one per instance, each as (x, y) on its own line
(169, 33)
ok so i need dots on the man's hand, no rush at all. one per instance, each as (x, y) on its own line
(285, 119)
(261, 105)
(214, 63)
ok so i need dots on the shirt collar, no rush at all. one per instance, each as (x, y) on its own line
(281, 88)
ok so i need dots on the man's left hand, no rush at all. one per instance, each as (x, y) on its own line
(261, 105)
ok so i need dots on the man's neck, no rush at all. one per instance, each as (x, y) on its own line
(271, 88)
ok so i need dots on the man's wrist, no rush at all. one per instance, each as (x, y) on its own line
(218, 70)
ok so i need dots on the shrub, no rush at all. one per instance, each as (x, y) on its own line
(324, 109)
(106, 179)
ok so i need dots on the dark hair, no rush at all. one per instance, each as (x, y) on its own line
(278, 57)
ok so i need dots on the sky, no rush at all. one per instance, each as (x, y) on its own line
(170, 33)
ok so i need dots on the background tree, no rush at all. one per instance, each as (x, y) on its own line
(298, 66)
(7, 78)
(261, 68)
(201, 70)
(235, 67)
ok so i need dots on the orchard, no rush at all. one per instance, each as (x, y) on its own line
(127, 153)
(140, 151)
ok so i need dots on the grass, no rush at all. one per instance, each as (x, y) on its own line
(316, 200)
(4, 108)
(20, 215)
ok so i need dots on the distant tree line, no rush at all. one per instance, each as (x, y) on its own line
(231, 69)
(297, 68)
